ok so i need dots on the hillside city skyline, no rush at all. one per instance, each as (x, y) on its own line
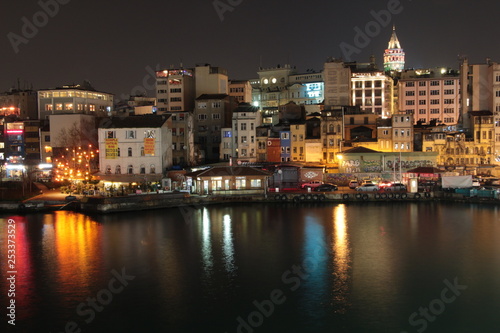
(117, 51)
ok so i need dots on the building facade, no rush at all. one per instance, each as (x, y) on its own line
(22, 103)
(246, 118)
(212, 113)
(241, 91)
(431, 95)
(175, 95)
(74, 99)
(135, 147)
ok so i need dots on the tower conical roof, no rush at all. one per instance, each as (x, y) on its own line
(394, 42)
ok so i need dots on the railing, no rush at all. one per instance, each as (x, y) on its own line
(238, 192)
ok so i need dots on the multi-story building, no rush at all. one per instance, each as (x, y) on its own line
(280, 85)
(402, 132)
(267, 90)
(22, 103)
(343, 125)
(14, 141)
(358, 84)
(384, 135)
(337, 83)
(373, 92)
(261, 135)
(298, 142)
(175, 90)
(246, 118)
(32, 141)
(285, 146)
(74, 99)
(212, 113)
(135, 148)
(313, 146)
(226, 143)
(469, 152)
(306, 89)
(431, 95)
(210, 80)
(480, 90)
(241, 91)
(175, 95)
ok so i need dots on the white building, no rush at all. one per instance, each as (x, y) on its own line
(135, 148)
(246, 119)
(373, 92)
(71, 99)
(402, 132)
(280, 85)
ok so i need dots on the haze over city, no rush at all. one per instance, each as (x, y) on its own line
(115, 44)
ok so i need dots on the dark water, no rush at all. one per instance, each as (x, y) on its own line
(258, 268)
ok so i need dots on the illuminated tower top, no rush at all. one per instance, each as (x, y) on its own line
(394, 57)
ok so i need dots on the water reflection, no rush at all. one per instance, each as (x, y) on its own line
(206, 247)
(341, 258)
(228, 245)
(315, 266)
(77, 246)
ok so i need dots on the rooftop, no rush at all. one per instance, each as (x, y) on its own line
(140, 121)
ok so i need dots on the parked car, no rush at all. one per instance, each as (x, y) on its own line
(384, 184)
(396, 187)
(367, 188)
(353, 184)
(311, 184)
(326, 188)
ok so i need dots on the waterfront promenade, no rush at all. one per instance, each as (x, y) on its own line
(55, 200)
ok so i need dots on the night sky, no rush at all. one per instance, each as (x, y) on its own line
(113, 43)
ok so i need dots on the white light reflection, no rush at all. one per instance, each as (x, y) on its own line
(314, 265)
(341, 260)
(208, 261)
(228, 244)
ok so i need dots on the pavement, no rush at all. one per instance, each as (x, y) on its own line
(48, 195)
